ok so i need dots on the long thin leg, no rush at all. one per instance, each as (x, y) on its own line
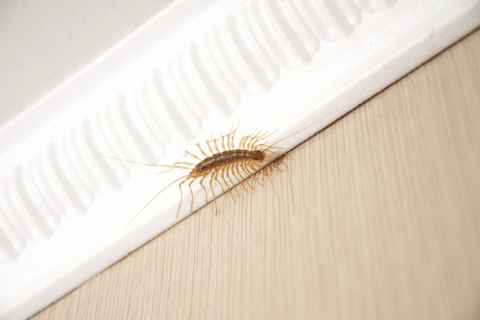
(228, 176)
(251, 136)
(191, 192)
(245, 139)
(147, 164)
(243, 181)
(181, 197)
(249, 172)
(255, 138)
(251, 167)
(244, 142)
(251, 144)
(214, 197)
(228, 143)
(209, 147)
(223, 144)
(229, 189)
(241, 142)
(255, 178)
(242, 166)
(187, 177)
(216, 145)
(201, 150)
(232, 136)
(233, 172)
(187, 153)
(215, 177)
(263, 138)
(268, 147)
(228, 139)
(206, 199)
(233, 141)
(278, 155)
(177, 167)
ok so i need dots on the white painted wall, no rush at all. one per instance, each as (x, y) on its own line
(44, 42)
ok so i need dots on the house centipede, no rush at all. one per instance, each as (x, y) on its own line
(249, 160)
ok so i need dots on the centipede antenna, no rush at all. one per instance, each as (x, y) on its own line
(99, 155)
(140, 163)
(154, 199)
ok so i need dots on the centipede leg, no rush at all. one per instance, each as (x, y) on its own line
(233, 136)
(201, 150)
(230, 146)
(215, 177)
(229, 189)
(249, 165)
(187, 153)
(276, 154)
(241, 143)
(244, 179)
(234, 167)
(252, 144)
(191, 192)
(244, 139)
(209, 147)
(223, 143)
(228, 176)
(256, 180)
(214, 197)
(181, 195)
(206, 198)
(216, 145)
(254, 140)
(228, 138)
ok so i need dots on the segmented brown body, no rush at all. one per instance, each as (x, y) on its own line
(220, 160)
(248, 160)
(223, 167)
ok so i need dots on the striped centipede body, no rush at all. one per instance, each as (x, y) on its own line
(248, 159)
(238, 163)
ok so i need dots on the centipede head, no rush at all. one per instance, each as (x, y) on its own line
(258, 155)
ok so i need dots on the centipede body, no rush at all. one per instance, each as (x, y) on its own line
(223, 167)
(248, 159)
